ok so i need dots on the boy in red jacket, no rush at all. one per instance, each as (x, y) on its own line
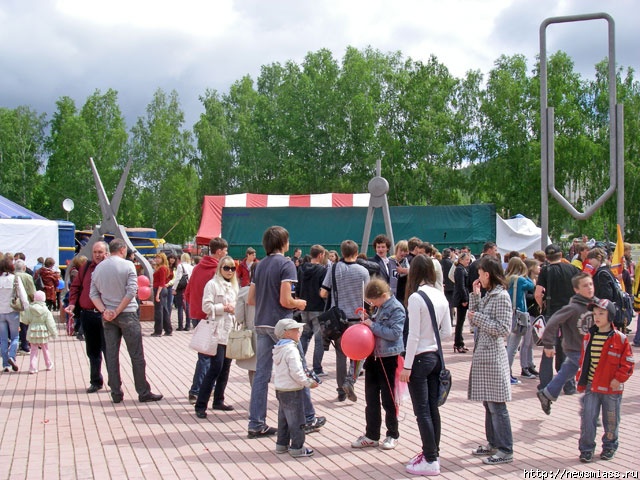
(606, 363)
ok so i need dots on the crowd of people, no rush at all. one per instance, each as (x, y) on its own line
(409, 298)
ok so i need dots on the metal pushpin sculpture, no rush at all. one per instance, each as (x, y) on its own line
(109, 224)
(378, 188)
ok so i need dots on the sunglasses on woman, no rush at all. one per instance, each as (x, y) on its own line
(227, 268)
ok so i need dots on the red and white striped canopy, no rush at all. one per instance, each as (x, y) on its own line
(212, 205)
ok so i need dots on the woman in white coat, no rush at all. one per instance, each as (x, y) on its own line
(489, 378)
(219, 303)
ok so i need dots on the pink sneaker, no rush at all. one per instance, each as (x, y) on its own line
(416, 458)
(425, 468)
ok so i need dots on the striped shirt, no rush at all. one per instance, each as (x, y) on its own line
(350, 281)
(597, 342)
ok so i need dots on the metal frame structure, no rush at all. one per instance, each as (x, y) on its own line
(616, 133)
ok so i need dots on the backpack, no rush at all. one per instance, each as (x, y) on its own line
(623, 302)
(38, 281)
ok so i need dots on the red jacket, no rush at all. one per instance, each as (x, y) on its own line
(202, 273)
(616, 361)
(244, 274)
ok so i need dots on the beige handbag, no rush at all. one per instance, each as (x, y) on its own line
(239, 344)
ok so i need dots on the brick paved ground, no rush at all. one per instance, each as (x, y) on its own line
(50, 428)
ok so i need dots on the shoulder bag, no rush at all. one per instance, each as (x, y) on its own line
(333, 321)
(205, 337)
(444, 382)
(239, 344)
(540, 322)
(17, 304)
(182, 283)
(520, 320)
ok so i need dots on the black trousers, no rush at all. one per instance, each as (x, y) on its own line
(94, 343)
(379, 381)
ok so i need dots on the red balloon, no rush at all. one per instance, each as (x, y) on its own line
(357, 342)
(144, 293)
(143, 281)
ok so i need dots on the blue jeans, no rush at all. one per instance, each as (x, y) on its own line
(567, 372)
(312, 329)
(183, 311)
(497, 426)
(127, 326)
(592, 402)
(161, 314)
(423, 388)
(9, 325)
(526, 349)
(202, 366)
(260, 388)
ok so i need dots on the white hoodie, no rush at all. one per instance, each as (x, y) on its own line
(288, 374)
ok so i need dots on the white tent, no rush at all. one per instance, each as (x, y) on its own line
(518, 233)
(35, 238)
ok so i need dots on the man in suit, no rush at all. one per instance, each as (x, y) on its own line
(382, 245)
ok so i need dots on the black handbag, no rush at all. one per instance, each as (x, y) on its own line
(444, 382)
(333, 321)
(182, 284)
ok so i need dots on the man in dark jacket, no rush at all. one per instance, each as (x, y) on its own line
(382, 245)
(310, 277)
(553, 291)
(90, 317)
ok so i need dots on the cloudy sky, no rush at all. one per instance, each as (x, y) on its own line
(55, 48)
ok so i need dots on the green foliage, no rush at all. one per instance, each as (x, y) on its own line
(163, 175)
(21, 153)
(320, 126)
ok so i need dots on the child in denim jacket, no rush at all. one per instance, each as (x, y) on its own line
(380, 367)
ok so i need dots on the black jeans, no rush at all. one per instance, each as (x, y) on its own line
(94, 344)
(218, 375)
(379, 381)
(423, 388)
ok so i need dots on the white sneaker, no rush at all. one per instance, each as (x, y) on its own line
(364, 442)
(50, 366)
(389, 443)
(423, 467)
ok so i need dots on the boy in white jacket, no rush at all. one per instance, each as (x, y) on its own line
(289, 379)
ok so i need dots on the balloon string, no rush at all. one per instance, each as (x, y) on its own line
(393, 397)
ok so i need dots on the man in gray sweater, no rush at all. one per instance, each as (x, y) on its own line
(113, 292)
(567, 318)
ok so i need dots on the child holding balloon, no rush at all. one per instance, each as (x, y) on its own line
(386, 324)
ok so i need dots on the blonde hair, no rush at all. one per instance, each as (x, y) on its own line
(224, 261)
(401, 246)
